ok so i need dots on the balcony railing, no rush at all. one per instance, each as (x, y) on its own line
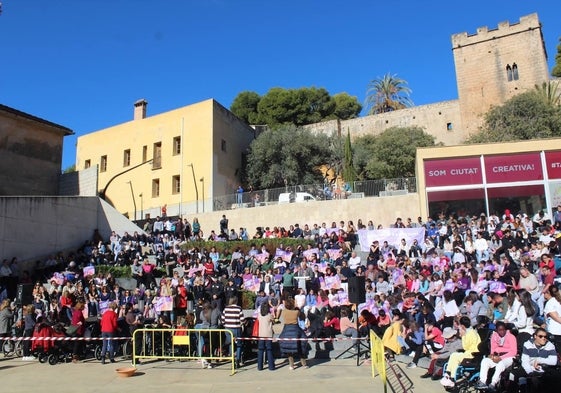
(357, 189)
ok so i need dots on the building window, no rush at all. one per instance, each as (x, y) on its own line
(514, 71)
(157, 156)
(176, 145)
(155, 188)
(508, 73)
(127, 157)
(449, 126)
(144, 153)
(223, 145)
(103, 164)
(176, 184)
(87, 164)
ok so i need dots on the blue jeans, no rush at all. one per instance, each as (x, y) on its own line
(236, 332)
(262, 346)
(107, 345)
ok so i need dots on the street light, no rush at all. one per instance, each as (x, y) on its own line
(133, 200)
(141, 207)
(196, 189)
(202, 180)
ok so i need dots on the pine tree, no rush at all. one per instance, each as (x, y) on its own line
(556, 71)
(349, 173)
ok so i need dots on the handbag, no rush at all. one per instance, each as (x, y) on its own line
(71, 330)
(255, 330)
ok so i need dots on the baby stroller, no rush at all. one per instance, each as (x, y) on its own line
(61, 352)
(42, 348)
(93, 330)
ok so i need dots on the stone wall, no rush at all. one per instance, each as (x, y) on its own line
(441, 120)
(79, 183)
(381, 210)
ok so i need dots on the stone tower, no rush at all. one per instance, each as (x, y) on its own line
(494, 65)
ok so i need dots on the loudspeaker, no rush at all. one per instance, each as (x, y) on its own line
(24, 294)
(357, 290)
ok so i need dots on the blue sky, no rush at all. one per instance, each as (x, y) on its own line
(83, 63)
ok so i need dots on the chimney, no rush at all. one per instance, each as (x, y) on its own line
(140, 109)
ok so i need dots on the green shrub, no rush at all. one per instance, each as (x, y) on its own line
(226, 247)
(123, 271)
(248, 300)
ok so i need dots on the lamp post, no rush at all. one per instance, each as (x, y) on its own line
(133, 200)
(141, 207)
(202, 180)
(196, 189)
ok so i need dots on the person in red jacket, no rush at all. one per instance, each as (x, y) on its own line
(108, 330)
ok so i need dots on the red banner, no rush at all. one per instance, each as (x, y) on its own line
(514, 167)
(553, 162)
(453, 172)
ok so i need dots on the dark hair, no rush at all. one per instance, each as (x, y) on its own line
(465, 321)
(265, 309)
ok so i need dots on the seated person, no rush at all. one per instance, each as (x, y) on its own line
(347, 326)
(538, 358)
(470, 343)
(439, 358)
(366, 322)
(503, 351)
(391, 336)
(331, 325)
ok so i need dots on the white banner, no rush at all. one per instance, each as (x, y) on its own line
(392, 235)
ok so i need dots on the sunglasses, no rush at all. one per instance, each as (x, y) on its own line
(541, 336)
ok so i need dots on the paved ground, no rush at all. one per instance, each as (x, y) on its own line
(324, 375)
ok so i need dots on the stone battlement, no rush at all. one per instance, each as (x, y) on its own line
(528, 22)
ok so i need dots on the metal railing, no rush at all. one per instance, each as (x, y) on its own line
(321, 192)
(184, 344)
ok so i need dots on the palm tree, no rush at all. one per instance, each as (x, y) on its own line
(549, 93)
(387, 94)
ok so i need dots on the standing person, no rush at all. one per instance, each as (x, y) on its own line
(224, 226)
(79, 321)
(108, 329)
(29, 325)
(239, 195)
(233, 319)
(6, 318)
(292, 330)
(265, 319)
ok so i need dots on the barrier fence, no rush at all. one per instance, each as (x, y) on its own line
(206, 345)
(184, 344)
(378, 359)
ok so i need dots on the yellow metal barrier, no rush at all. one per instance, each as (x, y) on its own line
(182, 344)
(378, 359)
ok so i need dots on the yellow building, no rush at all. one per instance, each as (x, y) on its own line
(523, 176)
(174, 161)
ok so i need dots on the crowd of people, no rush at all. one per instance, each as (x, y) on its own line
(475, 287)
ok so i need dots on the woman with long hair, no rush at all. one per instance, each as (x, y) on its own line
(523, 317)
(292, 330)
(79, 322)
(265, 343)
(552, 314)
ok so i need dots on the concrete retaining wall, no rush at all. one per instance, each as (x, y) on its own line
(382, 210)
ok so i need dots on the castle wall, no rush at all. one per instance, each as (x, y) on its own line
(481, 62)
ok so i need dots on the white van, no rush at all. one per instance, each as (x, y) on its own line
(288, 197)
